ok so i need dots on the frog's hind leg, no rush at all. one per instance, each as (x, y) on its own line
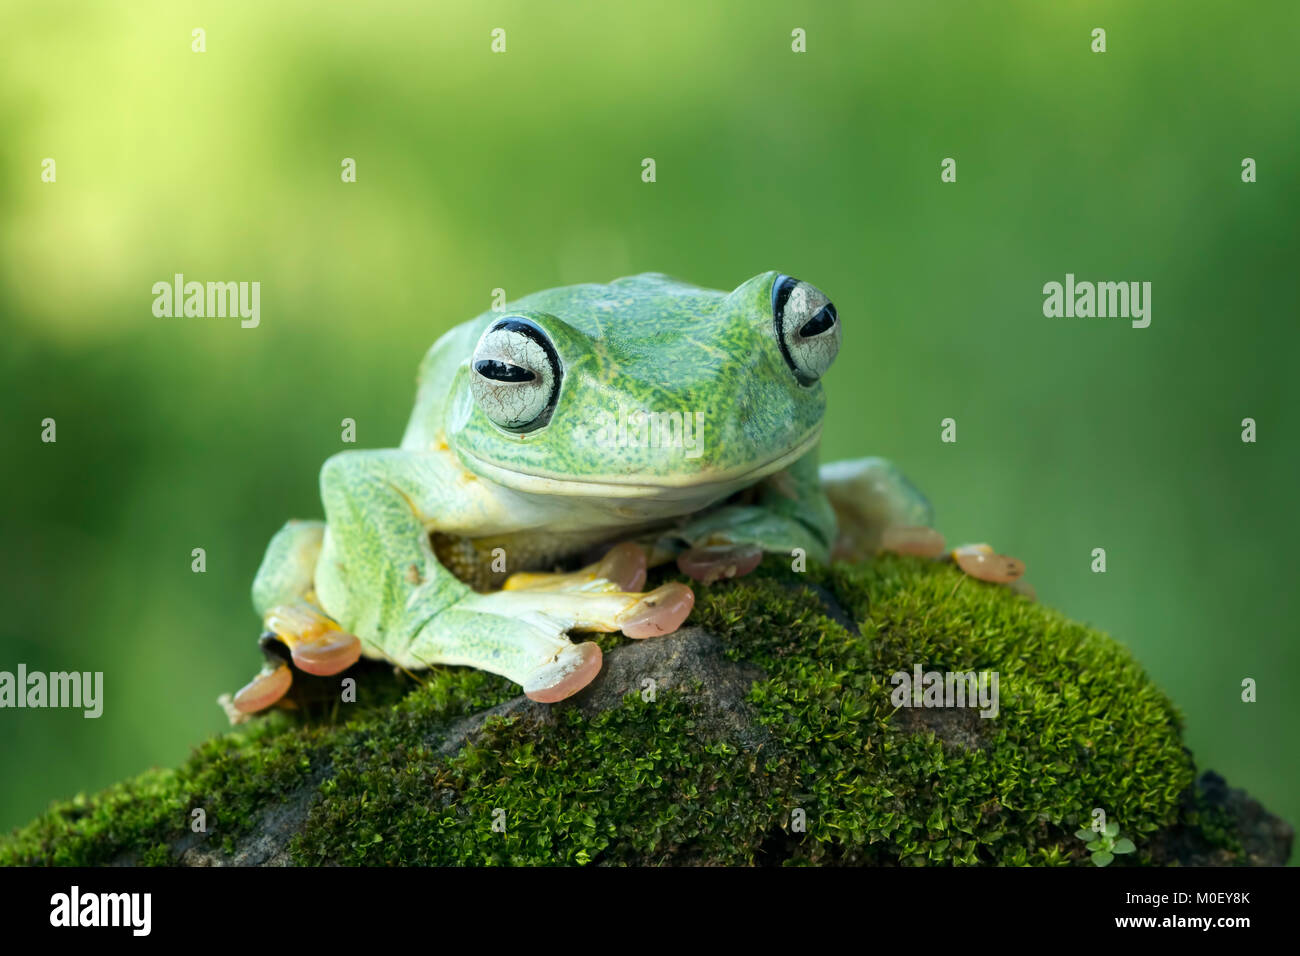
(283, 594)
(523, 633)
(878, 509)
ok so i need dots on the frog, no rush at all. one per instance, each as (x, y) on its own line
(560, 448)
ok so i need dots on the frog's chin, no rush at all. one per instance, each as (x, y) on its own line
(693, 490)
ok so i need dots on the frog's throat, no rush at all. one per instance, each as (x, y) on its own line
(713, 484)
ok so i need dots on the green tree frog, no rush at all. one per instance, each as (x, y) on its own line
(557, 450)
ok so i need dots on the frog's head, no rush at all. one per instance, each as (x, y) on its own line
(646, 388)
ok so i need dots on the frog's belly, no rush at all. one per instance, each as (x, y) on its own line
(473, 560)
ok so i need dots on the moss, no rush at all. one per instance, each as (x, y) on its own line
(1080, 726)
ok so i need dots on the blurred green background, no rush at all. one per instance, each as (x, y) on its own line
(522, 170)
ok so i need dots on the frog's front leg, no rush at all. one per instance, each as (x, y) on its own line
(283, 595)
(783, 513)
(365, 580)
(377, 576)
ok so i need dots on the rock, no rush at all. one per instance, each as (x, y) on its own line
(764, 733)
(1265, 839)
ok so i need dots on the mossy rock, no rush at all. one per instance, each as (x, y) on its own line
(707, 747)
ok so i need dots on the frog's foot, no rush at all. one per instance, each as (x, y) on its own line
(661, 611)
(981, 562)
(263, 691)
(572, 669)
(312, 642)
(316, 643)
(574, 666)
(523, 634)
(604, 596)
(623, 567)
(597, 607)
(978, 560)
(710, 563)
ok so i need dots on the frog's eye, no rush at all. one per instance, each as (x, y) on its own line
(807, 328)
(515, 375)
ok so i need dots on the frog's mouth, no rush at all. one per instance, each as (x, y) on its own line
(705, 485)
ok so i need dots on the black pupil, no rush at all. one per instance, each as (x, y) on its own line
(502, 371)
(820, 322)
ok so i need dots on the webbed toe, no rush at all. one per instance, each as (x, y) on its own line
(660, 612)
(711, 563)
(572, 669)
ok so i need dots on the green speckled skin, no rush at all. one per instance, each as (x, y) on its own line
(550, 495)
